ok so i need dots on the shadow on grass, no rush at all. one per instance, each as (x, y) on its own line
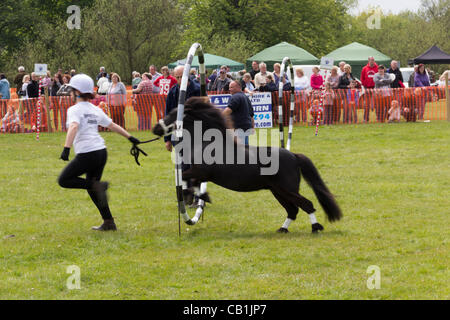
(205, 234)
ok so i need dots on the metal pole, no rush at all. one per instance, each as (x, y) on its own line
(447, 95)
(47, 105)
(286, 65)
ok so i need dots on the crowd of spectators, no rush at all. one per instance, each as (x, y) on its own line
(325, 90)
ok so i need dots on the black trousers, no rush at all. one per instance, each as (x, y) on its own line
(91, 164)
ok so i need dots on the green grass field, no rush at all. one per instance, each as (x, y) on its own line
(391, 181)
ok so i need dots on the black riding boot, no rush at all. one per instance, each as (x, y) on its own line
(108, 225)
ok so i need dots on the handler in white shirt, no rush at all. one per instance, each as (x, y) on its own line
(83, 120)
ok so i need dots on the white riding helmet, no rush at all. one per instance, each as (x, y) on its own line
(82, 83)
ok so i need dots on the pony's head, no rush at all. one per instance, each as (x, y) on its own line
(166, 126)
(195, 109)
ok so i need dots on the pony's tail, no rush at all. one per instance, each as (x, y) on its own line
(325, 197)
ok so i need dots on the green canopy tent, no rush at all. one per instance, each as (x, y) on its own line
(357, 55)
(277, 53)
(211, 62)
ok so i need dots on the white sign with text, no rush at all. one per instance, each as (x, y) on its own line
(262, 107)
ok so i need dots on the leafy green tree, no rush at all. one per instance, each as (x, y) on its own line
(21, 20)
(437, 16)
(56, 10)
(314, 25)
(58, 47)
(130, 35)
(232, 46)
(14, 27)
(123, 36)
(408, 34)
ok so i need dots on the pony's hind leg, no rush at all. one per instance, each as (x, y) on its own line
(291, 209)
(306, 205)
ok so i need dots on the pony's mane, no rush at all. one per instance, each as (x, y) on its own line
(200, 109)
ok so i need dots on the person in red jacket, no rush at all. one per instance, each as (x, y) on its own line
(316, 79)
(368, 72)
(367, 81)
(165, 82)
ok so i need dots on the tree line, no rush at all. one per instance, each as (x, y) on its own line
(128, 35)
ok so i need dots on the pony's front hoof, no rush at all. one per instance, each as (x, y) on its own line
(205, 197)
(190, 223)
(188, 196)
(317, 227)
(283, 230)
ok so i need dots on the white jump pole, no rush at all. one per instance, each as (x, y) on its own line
(196, 47)
(286, 64)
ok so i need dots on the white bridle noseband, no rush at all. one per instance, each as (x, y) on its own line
(167, 129)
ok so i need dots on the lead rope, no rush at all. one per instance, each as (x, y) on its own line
(136, 151)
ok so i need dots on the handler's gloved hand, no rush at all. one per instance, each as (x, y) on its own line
(134, 141)
(65, 154)
(135, 151)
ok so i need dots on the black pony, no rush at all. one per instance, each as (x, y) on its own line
(231, 172)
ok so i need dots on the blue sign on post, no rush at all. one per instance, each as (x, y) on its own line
(326, 63)
(40, 69)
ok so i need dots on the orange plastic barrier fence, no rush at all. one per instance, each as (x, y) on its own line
(365, 106)
(141, 112)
